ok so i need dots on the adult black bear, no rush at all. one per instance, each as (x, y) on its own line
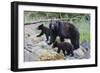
(64, 30)
(65, 47)
(44, 30)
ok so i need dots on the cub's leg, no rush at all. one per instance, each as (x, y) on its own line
(58, 51)
(40, 34)
(52, 39)
(61, 39)
(71, 53)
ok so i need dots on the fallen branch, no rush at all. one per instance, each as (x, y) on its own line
(48, 20)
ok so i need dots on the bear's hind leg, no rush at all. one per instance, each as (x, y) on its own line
(75, 43)
(68, 52)
(64, 52)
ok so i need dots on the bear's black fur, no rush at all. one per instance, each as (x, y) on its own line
(44, 30)
(64, 30)
(65, 47)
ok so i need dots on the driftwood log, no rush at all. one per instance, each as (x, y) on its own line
(48, 20)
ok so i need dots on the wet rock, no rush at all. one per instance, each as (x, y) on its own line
(86, 45)
(80, 53)
(37, 49)
(28, 57)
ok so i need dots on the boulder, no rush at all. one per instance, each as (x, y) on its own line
(80, 53)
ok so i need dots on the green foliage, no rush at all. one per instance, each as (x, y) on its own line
(84, 37)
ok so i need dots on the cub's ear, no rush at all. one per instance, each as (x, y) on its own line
(41, 24)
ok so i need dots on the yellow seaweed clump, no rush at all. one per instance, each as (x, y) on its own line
(49, 55)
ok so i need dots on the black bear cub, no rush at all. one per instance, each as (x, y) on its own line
(44, 30)
(65, 47)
